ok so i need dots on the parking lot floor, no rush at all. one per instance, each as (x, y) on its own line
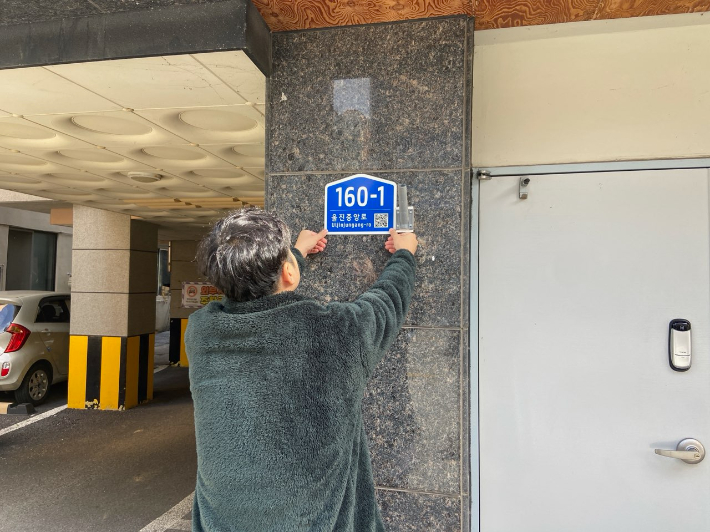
(92, 470)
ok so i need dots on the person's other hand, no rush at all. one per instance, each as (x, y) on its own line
(311, 242)
(397, 241)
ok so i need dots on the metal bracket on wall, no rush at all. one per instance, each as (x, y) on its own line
(523, 187)
(484, 175)
(405, 213)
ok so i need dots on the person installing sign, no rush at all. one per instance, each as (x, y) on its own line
(278, 378)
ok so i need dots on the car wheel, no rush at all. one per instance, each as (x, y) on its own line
(35, 385)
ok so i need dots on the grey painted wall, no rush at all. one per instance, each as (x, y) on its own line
(392, 100)
(36, 221)
(64, 254)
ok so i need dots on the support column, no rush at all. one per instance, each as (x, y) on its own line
(182, 268)
(394, 101)
(112, 332)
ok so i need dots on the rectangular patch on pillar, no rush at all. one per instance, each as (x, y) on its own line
(122, 375)
(143, 356)
(93, 372)
(175, 339)
(76, 389)
(183, 354)
(132, 364)
(151, 364)
(110, 372)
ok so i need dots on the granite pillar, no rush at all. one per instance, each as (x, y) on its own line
(113, 310)
(391, 100)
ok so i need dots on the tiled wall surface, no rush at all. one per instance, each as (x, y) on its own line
(115, 274)
(390, 100)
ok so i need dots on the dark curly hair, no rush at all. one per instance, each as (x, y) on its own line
(244, 252)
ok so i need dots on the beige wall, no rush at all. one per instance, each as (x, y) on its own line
(592, 91)
(114, 274)
(182, 268)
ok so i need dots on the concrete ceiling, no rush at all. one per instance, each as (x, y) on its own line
(283, 15)
(77, 132)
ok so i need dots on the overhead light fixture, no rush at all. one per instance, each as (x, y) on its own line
(144, 177)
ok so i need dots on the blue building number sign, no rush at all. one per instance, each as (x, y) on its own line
(360, 205)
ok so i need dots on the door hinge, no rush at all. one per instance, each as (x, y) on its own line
(484, 175)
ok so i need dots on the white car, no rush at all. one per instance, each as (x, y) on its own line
(34, 343)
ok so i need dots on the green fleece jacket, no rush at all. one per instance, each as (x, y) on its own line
(277, 385)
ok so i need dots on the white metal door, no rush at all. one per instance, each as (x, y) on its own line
(578, 284)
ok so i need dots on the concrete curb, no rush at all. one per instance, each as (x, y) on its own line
(17, 409)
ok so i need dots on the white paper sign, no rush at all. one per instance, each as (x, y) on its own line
(198, 294)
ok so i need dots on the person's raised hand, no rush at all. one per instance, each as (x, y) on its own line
(397, 241)
(311, 242)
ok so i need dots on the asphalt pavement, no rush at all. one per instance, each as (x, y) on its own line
(92, 470)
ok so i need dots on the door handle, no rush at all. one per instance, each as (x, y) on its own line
(689, 450)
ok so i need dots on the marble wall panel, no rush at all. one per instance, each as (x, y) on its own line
(351, 264)
(392, 101)
(412, 413)
(419, 512)
(356, 108)
(111, 6)
(22, 11)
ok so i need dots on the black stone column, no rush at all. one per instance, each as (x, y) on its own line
(391, 100)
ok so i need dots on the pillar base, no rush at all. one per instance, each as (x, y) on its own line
(110, 372)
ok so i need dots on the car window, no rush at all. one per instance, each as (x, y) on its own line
(52, 311)
(8, 311)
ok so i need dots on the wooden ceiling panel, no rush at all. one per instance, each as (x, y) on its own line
(643, 8)
(284, 15)
(510, 13)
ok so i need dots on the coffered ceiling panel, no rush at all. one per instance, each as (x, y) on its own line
(179, 157)
(25, 163)
(177, 140)
(153, 82)
(20, 183)
(75, 179)
(20, 133)
(90, 159)
(237, 124)
(219, 178)
(33, 91)
(257, 171)
(116, 128)
(244, 155)
(237, 70)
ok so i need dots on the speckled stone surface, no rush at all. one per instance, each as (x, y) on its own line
(339, 103)
(351, 263)
(412, 413)
(111, 6)
(22, 11)
(419, 512)
(391, 101)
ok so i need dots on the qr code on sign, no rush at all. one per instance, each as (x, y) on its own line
(382, 220)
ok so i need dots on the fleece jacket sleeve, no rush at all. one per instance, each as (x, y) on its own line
(382, 309)
(299, 259)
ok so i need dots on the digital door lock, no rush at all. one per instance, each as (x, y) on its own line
(679, 352)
